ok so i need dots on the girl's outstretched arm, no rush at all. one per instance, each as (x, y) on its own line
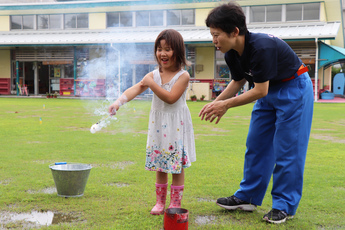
(127, 96)
(166, 96)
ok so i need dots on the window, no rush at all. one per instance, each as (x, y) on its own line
(187, 17)
(190, 55)
(143, 18)
(42, 22)
(274, 13)
(303, 12)
(266, 13)
(79, 21)
(28, 22)
(16, 22)
(70, 21)
(119, 19)
(113, 19)
(126, 19)
(55, 21)
(257, 14)
(156, 18)
(49, 21)
(173, 17)
(294, 12)
(180, 17)
(22, 22)
(223, 71)
(149, 18)
(311, 11)
(82, 21)
(222, 68)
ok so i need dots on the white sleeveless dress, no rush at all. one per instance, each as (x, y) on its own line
(170, 141)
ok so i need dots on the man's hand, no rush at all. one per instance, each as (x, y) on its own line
(213, 110)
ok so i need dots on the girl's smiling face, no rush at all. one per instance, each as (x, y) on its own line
(165, 54)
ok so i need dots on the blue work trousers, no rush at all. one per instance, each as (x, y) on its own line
(277, 144)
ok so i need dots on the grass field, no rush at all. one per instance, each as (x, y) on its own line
(120, 192)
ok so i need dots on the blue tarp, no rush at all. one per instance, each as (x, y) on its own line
(330, 54)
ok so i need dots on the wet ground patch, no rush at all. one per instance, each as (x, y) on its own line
(209, 135)
(50, 190)
(48, 162)
(205, 220)
(35, 219)
(220, 130)
(223, 219)
(322, 227)
(34, 142)
(339, 122)
(339, 188)
(74, 128)
(5, 182)
(203, 199)
(119, 185)
(327, 137)
(116, 165)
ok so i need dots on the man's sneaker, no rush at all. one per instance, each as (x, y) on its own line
(232, 203)
(290, 217)
(276, 216)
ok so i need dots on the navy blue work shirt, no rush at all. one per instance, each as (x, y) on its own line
(265, 58)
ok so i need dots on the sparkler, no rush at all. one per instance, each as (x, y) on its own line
(95, 128)
(99, 125)
(102, 119)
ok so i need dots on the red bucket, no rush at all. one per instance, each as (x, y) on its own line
(176, 219)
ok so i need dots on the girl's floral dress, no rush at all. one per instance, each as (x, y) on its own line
(170, 141)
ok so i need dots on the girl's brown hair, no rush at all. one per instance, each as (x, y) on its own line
(175, 40)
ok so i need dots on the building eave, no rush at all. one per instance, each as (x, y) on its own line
(293, 31)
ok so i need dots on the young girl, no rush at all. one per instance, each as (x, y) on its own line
(170, 143)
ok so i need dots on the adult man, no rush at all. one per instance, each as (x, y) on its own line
(280, 125)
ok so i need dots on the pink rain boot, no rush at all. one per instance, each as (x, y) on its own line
(176, 196)
(161, 194)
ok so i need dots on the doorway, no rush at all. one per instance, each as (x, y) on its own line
(43, 76)
(27, 77)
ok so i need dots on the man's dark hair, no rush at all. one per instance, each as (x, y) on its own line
(227, 17)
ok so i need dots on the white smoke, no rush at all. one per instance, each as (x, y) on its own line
(114, 65)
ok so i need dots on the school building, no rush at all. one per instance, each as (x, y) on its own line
(100, 48)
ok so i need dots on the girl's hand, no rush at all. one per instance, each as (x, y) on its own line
(146, 81)
(113, 108)
(116, 105)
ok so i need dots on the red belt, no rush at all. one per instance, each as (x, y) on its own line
(302, 69)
